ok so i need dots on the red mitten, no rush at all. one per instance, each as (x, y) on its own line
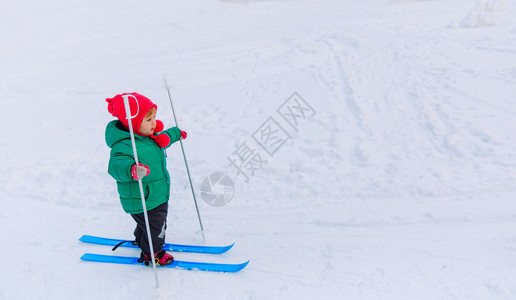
(183, 134)
(138, 172)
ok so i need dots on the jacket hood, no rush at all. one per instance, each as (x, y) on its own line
(115, 132)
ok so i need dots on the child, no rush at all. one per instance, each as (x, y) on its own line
(150, 144)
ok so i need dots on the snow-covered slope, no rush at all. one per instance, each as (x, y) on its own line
(397, 182)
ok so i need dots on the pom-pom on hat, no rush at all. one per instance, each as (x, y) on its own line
(161, 139)
(139, 106)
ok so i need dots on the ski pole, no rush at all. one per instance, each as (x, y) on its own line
(131, 131)
(167, 86)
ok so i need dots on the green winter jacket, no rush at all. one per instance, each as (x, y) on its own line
(156, 185)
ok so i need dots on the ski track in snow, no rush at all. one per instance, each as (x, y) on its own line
(401, 186)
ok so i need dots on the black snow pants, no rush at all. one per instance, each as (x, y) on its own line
(158, 226)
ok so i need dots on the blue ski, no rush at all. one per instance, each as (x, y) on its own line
(168, 247)
(177, 264)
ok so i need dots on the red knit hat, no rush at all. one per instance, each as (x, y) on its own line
(138, 109)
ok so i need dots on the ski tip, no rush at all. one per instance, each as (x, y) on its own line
(239, 267)
(220, 249)
(245, 264)
(228, 247)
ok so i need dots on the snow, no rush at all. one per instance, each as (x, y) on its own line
(400, 184)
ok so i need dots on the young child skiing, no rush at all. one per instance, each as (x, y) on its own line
(151, 142)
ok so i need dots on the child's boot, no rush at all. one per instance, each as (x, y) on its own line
(144, 258)
(163, 258)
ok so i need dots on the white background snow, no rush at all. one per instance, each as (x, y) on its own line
(401, 186)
